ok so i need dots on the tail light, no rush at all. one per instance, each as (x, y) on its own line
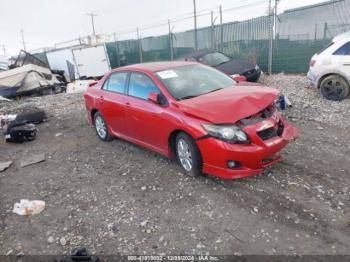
(312, 63)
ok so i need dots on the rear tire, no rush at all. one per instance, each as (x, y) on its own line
(101, 128)
(334, 87)
(188, 155)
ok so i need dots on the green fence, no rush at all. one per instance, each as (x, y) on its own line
(300, 33)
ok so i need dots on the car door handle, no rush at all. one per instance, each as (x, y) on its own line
(127, 104)
(101, 97)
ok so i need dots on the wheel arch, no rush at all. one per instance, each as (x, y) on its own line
(92, 114)
(337, 73)
(172, 140)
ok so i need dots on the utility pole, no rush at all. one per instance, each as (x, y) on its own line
(116, 49)
(171, 42)
(92, 22)
(270, 38)
(221, 29)
(195, 25)
(24, 43)
(140, 44)
(212, 30)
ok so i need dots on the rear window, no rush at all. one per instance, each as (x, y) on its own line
(344, 50)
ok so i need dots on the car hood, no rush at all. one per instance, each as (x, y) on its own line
(230, 104)
(235, 66)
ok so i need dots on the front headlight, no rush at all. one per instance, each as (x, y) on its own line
(229, 133)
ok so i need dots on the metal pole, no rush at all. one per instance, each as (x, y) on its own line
(271, 39)
(92, 22)
(140, 46)
(195, 25)
(24, 43)
(116, 49)
(4, 49)
(171, 42)
(212, 30)
(221, 30)
(315, 31)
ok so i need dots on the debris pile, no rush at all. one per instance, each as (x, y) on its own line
(20, 128)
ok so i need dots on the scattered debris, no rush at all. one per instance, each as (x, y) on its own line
(6, 119)
(4, 99)
(79, 86)
(63, 241)
(50, 239)
(21, 133)
(27, 208)
(5, 165)
(32, 160)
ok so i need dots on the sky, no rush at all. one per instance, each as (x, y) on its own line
(46, 22)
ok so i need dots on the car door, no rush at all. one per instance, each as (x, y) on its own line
(145, 119)
(113, 101)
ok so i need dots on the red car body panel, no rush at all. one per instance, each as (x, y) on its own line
(150, 125)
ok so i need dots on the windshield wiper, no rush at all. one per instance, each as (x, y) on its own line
(221, 63)
(214, 90)
(187, 97)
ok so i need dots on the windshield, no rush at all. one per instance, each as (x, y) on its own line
(193, 80)
(214, 59)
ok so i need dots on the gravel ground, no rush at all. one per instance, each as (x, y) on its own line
(117, 198)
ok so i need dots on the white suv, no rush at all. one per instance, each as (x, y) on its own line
(330, 69)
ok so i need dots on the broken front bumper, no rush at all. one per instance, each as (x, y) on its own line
(252, 158)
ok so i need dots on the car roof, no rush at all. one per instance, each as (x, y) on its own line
(342, 37)
(156, 66)
(197, 54)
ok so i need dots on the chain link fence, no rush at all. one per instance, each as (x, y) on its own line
(287, 44)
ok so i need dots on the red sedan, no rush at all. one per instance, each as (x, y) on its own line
(211, 123)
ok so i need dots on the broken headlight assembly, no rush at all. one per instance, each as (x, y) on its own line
(232, 134)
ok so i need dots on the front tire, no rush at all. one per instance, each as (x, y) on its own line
(101, 128)
(188, 155)
(334, 87)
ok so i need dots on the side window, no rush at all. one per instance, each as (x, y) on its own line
(141, 85)
(116, 83)
(344, 50)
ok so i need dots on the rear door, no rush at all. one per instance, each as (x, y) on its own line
(145, 119)
(91, 61)
(113, 101)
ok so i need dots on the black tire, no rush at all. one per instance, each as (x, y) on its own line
(104, 136)
(196, 158)
(334, 87)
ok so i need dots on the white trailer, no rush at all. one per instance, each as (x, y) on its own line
(88, 61)
(91, 61)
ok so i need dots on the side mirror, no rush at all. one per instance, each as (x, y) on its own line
(153, 97)
(239, 78)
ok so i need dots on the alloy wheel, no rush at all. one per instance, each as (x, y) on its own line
(184, 154)
(100, 126)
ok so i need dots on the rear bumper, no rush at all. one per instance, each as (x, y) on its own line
(253, 158)
(311, 79)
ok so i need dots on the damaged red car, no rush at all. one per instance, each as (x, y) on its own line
(204, 118)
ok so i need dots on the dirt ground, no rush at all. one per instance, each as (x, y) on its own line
(117, 198)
